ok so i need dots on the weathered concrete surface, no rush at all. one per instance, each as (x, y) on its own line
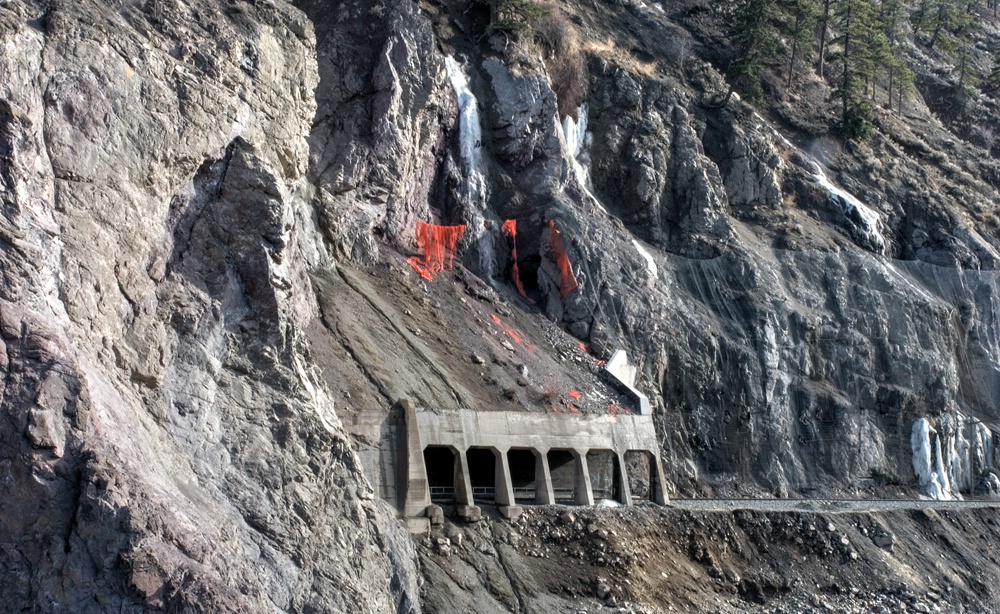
(500, 432)
(465, 429)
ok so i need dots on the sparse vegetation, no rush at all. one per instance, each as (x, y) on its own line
(557, 39)
(611, 52)
(862, 49)
(514, 16)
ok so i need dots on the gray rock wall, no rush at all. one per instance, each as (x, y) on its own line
(168, 444)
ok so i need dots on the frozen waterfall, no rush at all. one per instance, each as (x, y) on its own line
(863, 216)
(578, 142)
(856, 211)
(469, 131)
(927, 461)
(470, 151)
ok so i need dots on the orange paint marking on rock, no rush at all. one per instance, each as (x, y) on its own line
(438, 244)
(516, 338)
(509, 228)
(568, 281)
(574, 394)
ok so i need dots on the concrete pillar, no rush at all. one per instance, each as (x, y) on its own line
(658, 483)
(418, 492)
(464, 504)
(544, 494)
(625, 492)
(463, 481)
(583, 490)
(501, 478)
(504, 486)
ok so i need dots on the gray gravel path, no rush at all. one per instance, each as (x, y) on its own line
(826, 505)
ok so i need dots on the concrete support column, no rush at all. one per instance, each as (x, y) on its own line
(463, 481)
(658, 483)
(501, 479)
(504, 486)
(544, 494)
(625, 492)
(583, 490)
(418, 492)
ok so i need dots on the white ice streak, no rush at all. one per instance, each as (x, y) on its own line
(927, 461)
(650, 263)
(470, 142)
(578, 142)
(469, 130)
(855, 210)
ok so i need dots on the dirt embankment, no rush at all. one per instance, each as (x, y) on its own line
(649, 559)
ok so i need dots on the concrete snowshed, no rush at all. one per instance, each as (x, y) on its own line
(467, 457)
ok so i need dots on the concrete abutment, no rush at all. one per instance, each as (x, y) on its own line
(467, 458)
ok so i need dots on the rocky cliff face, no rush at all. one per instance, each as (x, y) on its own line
(181, 182)
(168, 443)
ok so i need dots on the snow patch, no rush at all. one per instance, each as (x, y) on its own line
(650, 263)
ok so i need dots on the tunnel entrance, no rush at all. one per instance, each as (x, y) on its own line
(522, 474)
(642, 476)
(482, 474)
(604, 474)
(440, 464)
(562, 468)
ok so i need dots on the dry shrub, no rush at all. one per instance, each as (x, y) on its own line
(557, 38)
(610, 52)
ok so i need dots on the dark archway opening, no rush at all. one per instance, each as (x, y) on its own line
(562, 469)
(641, 474)
(604, 474)
(522, 474)
(482, 473)
(439, 462)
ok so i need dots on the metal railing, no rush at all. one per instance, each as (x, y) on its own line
(484, 492)
(442, 494)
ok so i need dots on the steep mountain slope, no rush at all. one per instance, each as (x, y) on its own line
(205, 205)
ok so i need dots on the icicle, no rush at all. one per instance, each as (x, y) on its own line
(577, 142)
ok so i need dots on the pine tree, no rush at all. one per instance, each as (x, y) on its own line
(943, 20)
(823, 33)
(800, 18)
(993, 79)
(892, 16)
(859, 43)
(755, 41)
(968, 75)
